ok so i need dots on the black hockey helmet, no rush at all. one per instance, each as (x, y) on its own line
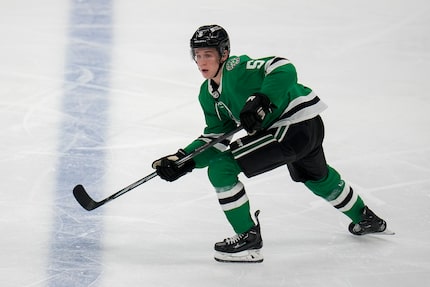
(210, 36)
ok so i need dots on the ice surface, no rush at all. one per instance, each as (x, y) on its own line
(72, 116)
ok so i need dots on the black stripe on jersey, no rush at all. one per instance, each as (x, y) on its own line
(300, 107)
(346, 200)
(277, 59)
(234, 198)
(225, 142)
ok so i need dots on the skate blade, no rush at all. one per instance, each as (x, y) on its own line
(247, 256)
(385, 232)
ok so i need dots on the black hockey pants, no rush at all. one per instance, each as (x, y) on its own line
(300, 149)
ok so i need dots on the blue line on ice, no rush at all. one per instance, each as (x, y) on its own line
(75, 251)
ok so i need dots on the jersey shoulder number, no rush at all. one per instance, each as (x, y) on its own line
(254, 64)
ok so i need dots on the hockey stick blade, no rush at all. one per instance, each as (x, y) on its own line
(89, 204)
(84, 199)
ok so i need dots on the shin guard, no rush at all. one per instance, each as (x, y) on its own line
(339, 194)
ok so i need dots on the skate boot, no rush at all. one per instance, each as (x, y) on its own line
(370, 223)
(243, 248)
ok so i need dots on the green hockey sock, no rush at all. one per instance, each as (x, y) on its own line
(339, 194)
(235, 205)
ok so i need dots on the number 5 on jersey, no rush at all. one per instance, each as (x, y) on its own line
(254, 64)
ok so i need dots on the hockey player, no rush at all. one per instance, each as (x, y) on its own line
(283, 124)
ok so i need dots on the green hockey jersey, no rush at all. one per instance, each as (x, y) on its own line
(241, 77)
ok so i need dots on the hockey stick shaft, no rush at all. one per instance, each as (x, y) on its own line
(208, 145)
(88, 203)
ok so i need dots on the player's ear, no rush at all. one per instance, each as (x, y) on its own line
(225, 55)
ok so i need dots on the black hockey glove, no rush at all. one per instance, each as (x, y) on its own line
(167, 168)
(254, 111)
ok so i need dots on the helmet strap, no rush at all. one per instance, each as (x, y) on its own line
(219, 66)
(219, 69)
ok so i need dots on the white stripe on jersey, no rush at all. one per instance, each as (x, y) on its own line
(222, 146)
(275, 63)
(302, 114)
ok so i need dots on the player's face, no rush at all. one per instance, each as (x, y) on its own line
(208, 61)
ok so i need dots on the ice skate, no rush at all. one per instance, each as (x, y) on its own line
(243, 248)
(370, 223)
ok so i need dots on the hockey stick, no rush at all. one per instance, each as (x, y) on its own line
(89, 204)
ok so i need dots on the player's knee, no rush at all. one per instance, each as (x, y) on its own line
(223, 171)
(328, 187)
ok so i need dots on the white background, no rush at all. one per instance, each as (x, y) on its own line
(368, 60)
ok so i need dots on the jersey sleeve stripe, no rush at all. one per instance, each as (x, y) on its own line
(222, 146)
(275, 63)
